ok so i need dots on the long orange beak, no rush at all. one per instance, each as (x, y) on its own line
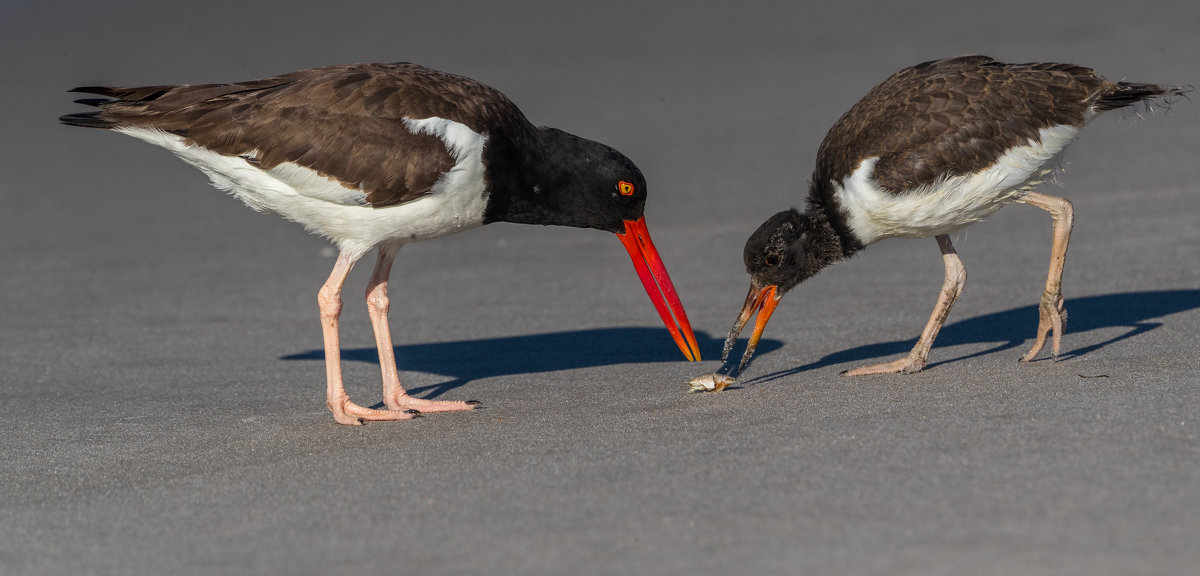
(653, 273)
(761, 299)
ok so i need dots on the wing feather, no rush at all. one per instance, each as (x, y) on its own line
(345, 122)
(953, 117)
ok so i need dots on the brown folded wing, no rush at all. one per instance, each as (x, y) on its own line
(953, 117)
(345, 122)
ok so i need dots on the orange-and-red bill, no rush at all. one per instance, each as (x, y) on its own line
(761, 299)
(653, 273)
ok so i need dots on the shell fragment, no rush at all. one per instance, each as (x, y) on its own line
(710, 383)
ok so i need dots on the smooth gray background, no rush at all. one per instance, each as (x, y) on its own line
(162, 383)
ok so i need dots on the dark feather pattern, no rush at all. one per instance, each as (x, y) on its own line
(346, 122)
(924, 125)
(1129, 93)
(957, 116)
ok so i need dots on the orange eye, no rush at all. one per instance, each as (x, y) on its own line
(625, 188)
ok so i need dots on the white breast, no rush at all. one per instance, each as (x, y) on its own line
(951, 202)
(326, 207)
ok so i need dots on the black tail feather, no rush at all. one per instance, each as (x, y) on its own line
(98, 90)
(113, 96)
(87, 120)
(94, 101)
(1130, 93)
(138, 94)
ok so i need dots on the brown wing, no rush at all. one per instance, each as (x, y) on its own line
(345, 122)
(952, 117)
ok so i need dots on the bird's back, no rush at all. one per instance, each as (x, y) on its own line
(954, 117)
(945, 143)
(345, 122)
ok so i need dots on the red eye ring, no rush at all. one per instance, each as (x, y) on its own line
(625, 188)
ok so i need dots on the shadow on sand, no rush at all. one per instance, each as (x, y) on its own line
(1015, 328)
(468, 360)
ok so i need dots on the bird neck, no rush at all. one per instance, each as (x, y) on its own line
(832, 237)
(521, 191)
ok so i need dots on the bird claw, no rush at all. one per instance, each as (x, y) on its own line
(907, 365)
(404, 402)
(1052, 319)
(349, 413)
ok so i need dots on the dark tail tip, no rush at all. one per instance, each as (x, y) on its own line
(1130, 93)
(94, 101)
(99, 91)
(87, 120)
(137, 94)
(93, 119)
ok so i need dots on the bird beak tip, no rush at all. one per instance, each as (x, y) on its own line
(761, 300)
(658, 285)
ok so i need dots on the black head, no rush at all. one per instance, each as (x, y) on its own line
(565, 180)
(786, 250)
(608, 188)
(776, 254)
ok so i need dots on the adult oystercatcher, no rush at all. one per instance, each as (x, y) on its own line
(374, 156)
(932, 149)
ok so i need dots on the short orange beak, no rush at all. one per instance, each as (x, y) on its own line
(653, 273)
(761, 299)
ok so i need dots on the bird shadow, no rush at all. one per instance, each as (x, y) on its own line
(467, 360)
(1013, 328)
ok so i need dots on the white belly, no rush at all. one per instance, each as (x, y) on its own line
(949, 203)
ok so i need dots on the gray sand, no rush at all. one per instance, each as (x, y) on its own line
(163, 389)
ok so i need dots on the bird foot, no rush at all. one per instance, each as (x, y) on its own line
(404, 402)
(906, 365)
(351, 414)
(1052, 317)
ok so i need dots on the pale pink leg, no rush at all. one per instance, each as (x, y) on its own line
(378, 303)
(956, 278)
(1051, 315)
(330, 300)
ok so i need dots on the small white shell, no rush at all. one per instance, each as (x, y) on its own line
(710, 383)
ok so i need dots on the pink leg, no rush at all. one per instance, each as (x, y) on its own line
(378, 303)
(1051, 315)
(330, 300)
(956, 278)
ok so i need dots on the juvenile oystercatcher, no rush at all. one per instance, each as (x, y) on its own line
(374, 156)
(932, 149)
